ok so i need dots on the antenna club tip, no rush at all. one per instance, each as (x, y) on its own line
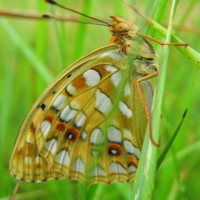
(50, 1)
(45, 16)
(184, 114)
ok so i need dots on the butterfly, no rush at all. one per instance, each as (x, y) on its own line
(89, 123)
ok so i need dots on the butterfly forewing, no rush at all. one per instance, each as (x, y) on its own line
(89, 123)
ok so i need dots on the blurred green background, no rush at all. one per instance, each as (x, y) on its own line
(33, 52)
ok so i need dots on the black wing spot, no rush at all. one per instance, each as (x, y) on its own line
(69, 75)
(42, 106)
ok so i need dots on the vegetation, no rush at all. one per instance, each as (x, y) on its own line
(33, 52)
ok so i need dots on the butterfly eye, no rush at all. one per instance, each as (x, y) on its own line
(122, 27)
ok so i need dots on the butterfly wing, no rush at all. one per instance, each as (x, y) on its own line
(88, 125)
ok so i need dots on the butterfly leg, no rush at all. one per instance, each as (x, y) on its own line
(148, 116)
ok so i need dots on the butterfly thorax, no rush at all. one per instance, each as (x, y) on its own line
(122, 30)
(124, 34)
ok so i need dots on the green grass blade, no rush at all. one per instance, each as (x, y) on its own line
(145, 176)
(165, 151)
(190, 53)
(21, 83)
(26, 50)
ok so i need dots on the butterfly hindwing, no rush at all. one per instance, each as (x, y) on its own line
(82, 128)
(89, 123)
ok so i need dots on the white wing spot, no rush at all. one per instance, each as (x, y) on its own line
(110, 68)
(127, 90)
(74, 105)
(30, 138)
(127, 134)
(59, 102)
(125, 110)
(45, 127)
(113, 55)
(103, 102)
(51, 145)
(62, 157)
(80, 120)
(98, 171)
(130, 149)
(116, 78)
(97, 137)
(78, 166)
(67, 114)
(83, 136)
(37, 160)
(28, 160)
(71, 89)
(132, 169)
(114, 152)
(116, 168)
(114, 135)
(92, 77)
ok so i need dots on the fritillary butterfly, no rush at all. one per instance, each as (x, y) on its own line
(89, 123)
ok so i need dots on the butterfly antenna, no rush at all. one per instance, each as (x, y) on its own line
(69, 9)
(19, 15)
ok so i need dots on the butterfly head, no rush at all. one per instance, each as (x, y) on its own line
(121, 25)
(121, 29)
(124, 34)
